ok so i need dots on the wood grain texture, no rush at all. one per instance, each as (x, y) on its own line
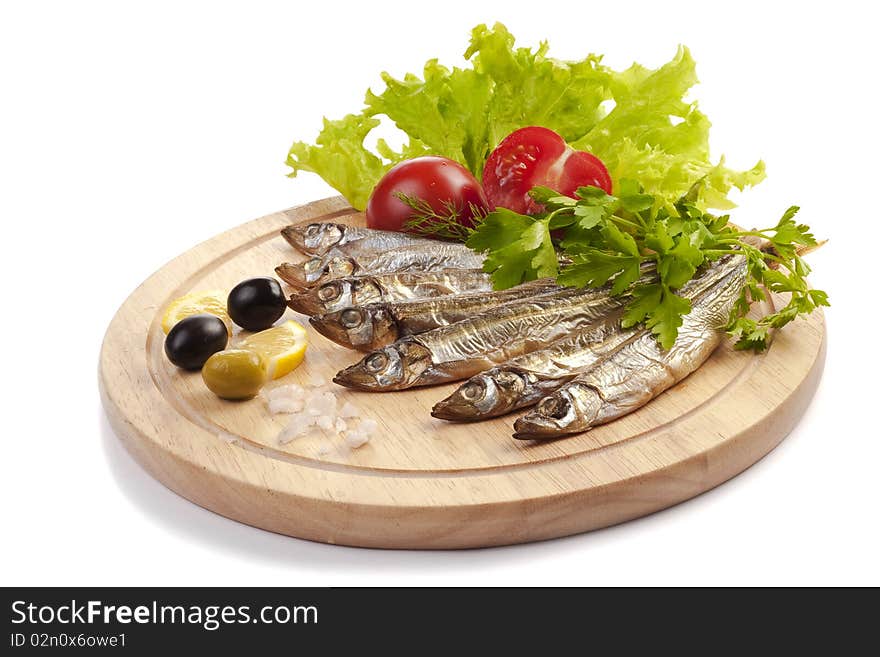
(422, 482)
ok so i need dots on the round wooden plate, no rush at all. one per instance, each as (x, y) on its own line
(422, 482)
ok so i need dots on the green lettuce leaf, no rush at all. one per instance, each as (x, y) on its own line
(341, 159)
(650, 134)
(445, 112)
(653, 136)
(528, 88)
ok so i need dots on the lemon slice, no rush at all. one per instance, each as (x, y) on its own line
(281, 347)
(212, 302)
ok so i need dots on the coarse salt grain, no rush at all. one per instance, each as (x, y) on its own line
(285, 405)
(325, 422)
(349, 410)
(340, 425)
(322, 404)
(286, 392)
(356, 438)
(298, 426)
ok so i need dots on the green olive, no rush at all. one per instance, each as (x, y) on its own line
(234, 374)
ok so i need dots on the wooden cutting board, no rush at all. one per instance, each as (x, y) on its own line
(422, 482)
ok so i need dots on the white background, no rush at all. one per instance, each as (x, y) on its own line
(132, 131)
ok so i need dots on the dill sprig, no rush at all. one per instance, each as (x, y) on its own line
(451, 224)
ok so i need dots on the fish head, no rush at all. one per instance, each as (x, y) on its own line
(488, 394)
(306, 303)
(394, 367)
(571, 409)
(335, 294)
(318, 300)
(364, 327)
(291, 274)
(316, 270)
(340, 293)
(313, 238)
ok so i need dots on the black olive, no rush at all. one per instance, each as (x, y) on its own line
(256, 304)
(194, 339)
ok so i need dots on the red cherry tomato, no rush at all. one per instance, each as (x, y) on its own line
(436, 180)
(538, 156)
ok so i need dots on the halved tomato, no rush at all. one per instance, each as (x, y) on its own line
(538, 156)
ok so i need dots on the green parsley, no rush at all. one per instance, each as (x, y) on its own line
(608, 238)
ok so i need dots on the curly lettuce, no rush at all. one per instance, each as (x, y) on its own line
(635, 120)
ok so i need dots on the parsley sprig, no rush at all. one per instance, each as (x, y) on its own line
(607, 238)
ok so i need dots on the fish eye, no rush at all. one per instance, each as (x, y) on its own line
(351, 317)
(376, 362)
(473, 390)
(554, 407)
(329, 292)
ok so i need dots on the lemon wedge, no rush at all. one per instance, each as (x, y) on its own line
(212, 302)
(281, 347)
